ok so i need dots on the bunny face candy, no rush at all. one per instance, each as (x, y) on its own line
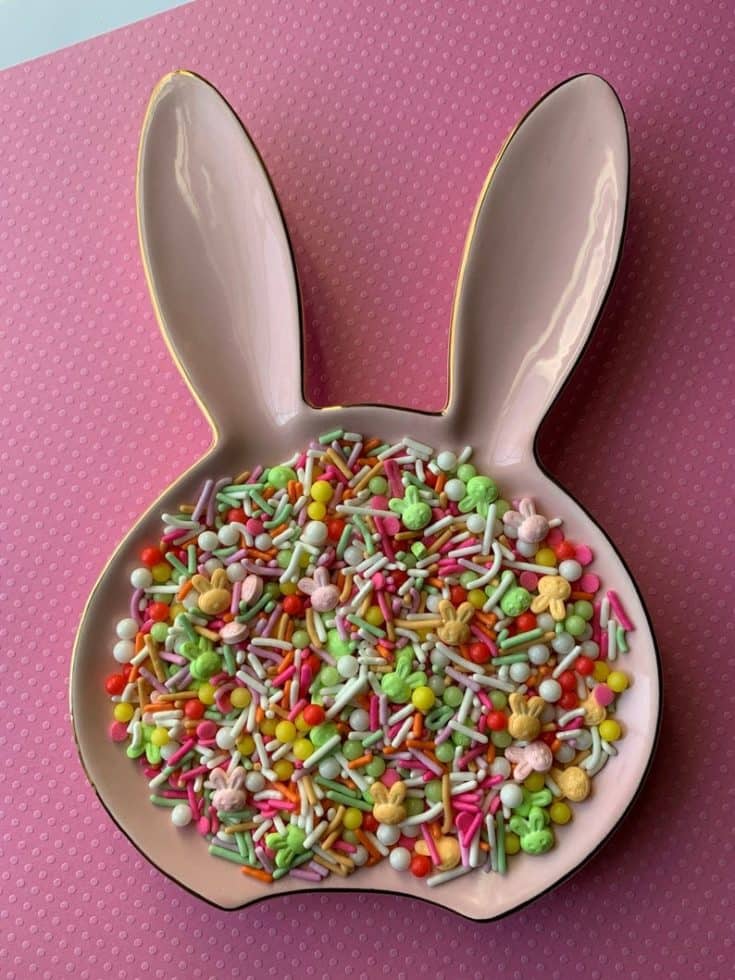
(375, 691)
(365, 646)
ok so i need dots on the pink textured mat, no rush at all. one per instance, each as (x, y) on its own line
(378, 124)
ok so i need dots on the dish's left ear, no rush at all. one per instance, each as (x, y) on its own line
(541, 251)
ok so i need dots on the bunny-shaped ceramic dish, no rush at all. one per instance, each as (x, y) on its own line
(541, 252)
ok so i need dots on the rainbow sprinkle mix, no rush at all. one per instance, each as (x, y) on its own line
(366, 653)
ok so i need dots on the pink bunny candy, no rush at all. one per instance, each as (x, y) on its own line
(534, 757)
(525, 524)
(324, 596)
(229, 790)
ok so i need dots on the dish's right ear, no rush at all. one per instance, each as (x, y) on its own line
(218, 259)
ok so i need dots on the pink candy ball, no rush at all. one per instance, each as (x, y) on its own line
(583, 554)
(254, 526)
(206, 730)
(118, 731)
(604, 695)
(589, 582)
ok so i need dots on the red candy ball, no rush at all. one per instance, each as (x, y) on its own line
(115, 684)
(567, 680)
(584, 666)
(568, 700)
(194, 708)
(158, 612)
(479, 653)
(335, 527)
(151, 556)
(313, 714)
(126, 670)
(497, 721)
(457, 595)
(420, 865)
(369, 823)
(565, 550)
(525, 622)
(236, 515)
(293, 605)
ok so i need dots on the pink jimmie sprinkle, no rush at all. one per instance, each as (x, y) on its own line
(431, 844)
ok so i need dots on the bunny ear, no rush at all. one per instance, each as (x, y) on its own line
(237, 778)
(514, 753)
(447, 611)
(379, 793)
(307, 586)
(218, 260)
(219, 578)
(518, 825)
(465, 612)
(517, 704)
(218, 778)
(397, 793)
(526, 507)
(540, 255)
(200, 583)
(536, 707)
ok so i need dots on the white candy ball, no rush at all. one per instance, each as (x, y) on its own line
(410, 830)
(570, 570)
(123, 651)
(591, 649)
(454, 489)
(432, 603)
(211, 565)
(538, 654)
(315, 532)
(225, 739)
(208, 541)
(446, 461)
(500, 767)
(439, 659)
(329, 768)
(263, 542)
(236, 572)
(399, 859)
(169, 749)
(511, 795)
(359, 719)
(353, 555)
(583, 740)
(563, 643)
(228, 535)
(519, 673)
(436, 684)
(586, 634)
(564, 754)
(141, 578)
(475, 524)
(550, 690)
(347, 667)
(359, 855)
(527, 548)
(181, 815)
(254, 782)
(388, 834)
(191, 599)
(126, 629)
(545, 621)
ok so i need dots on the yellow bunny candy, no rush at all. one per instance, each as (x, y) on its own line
(594, 712)
(573, 782)
(388, 805)
(455, 629)
(447, 848)
(525, 720)
(553, 590)
(214, 594)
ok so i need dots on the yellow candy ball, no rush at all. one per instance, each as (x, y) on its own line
(545, 556)
(302, 748)
(476, 598)
(123, 711)
(285, 731)
(423, 698)
(352, 818)
(205, 693)
(288, 588)
(246, 745)
(617, 681)
(302, 724)
(240, 697)
(268, 726)
(161, 572)
(512, 843)
(610, 730)
(601, 671)
(374, 616)
(322, 491)
(176, 610)
(283, 769)
(534, 782)
(560, 813)
(160, 737)
(316, 511)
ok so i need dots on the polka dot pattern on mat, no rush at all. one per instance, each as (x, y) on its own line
(378, 124)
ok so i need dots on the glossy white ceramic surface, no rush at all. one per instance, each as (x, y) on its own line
(541, 253)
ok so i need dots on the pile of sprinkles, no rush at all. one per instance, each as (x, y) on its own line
(363, 654)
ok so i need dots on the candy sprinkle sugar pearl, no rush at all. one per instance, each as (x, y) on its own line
(366, 653)
(367, 647)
